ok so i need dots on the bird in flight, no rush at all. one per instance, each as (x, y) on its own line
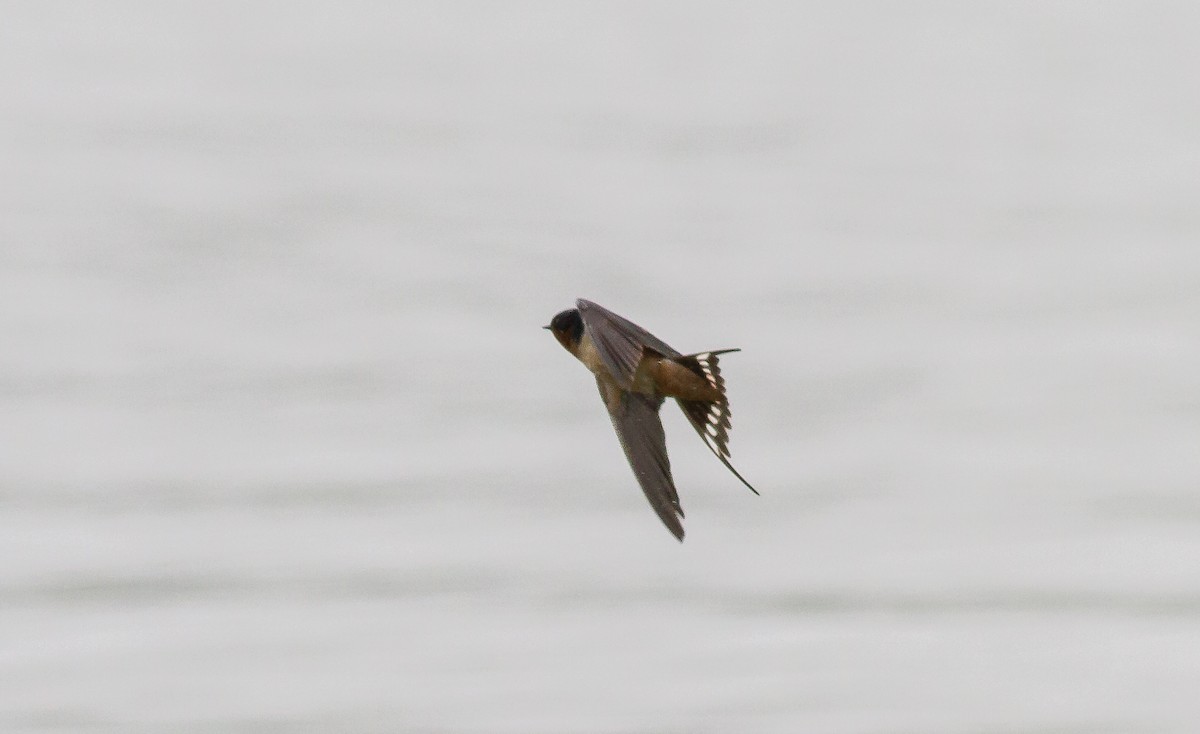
(636, 371)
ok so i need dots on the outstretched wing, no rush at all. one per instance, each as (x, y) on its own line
(635, 418)
(711, 419)
(620, 342)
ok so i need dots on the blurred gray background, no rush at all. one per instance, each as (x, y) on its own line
(283, 448)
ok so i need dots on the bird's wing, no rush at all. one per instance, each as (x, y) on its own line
(620, 342)
(635, 418)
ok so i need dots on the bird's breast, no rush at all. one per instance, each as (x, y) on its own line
(643, 376)
(587, 353)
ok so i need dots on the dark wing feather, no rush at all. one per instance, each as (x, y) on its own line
(635, 418)
(620, 342)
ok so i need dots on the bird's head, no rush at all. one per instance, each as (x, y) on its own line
(567, 328)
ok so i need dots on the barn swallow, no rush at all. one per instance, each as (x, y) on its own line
(636, 371)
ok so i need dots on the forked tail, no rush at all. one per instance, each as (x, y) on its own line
(711, 419)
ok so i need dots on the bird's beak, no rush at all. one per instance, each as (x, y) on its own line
(545, 327)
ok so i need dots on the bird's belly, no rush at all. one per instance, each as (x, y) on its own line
(677, 381)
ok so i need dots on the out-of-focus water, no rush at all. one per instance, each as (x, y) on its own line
(283, 449)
